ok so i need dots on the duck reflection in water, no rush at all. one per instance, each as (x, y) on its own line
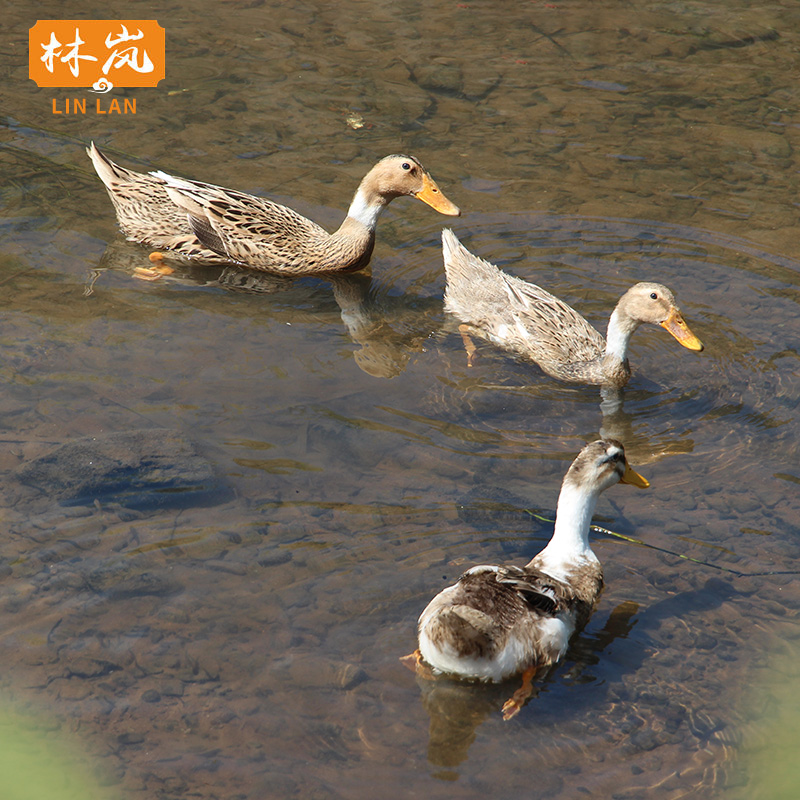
(388, 330)
(643, 444)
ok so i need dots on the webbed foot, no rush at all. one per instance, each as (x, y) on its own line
(514, 704)
(417, 665)
(156, 271)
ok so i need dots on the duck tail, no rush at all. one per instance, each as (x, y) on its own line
(464, 268)
(109, 172)
(452, 249)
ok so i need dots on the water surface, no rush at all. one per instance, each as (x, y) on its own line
(247, 646)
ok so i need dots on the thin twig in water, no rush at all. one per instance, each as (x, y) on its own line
(700, 561)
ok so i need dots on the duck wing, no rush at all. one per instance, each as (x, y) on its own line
(553, 330)
(242, 227)
(538, 591)
(508, 593)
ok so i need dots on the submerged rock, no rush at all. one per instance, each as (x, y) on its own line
(143, 468)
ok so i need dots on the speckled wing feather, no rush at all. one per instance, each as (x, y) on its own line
(539, 593)
(553, 329)
(220, 226)
(520, 316)
(517, 590)
(244, 228)
(489, 604)
(141, 200)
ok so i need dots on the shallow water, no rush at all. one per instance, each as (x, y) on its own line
(248, 646)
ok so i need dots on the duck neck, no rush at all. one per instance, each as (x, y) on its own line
(350, 247)
(366, 208)
(570, 541)
(615, 362)
(620, 330)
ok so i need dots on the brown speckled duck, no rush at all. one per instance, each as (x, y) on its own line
(217, 225)
(525, 319)
(500, 621)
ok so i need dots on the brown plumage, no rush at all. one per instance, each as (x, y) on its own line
(491, 602)
(529, 321)
(224, 226)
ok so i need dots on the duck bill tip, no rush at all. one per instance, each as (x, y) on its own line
(433, 196)
(675, 325)
(633, 478)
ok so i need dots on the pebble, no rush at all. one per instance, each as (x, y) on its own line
(272, 556)
(226, 566)
(140, 468)
(644, 739)
(128, 739)
(321, 672)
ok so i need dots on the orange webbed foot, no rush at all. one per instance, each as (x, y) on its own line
(412, 660)
(155, 272)
(417, 665)
(514, 704)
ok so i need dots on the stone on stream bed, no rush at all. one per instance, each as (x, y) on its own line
(154, 467)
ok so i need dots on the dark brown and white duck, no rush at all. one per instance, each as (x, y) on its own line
(224, 226)
(501, 621)
(529, 321)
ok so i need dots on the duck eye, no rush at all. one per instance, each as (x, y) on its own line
(653, 296)
(406, 165)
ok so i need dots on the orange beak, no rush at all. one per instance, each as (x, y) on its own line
(431, 194)
(632, 477)
(680, 330)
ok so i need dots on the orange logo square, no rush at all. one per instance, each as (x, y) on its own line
(97, 53)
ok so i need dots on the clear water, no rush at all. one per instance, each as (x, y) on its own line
(249, 648)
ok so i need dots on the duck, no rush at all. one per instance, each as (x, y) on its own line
(224, 226)
(497, 622)
(527, 320)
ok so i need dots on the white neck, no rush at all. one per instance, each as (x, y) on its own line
(365, 212)
(570, 541)
(619, 335)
